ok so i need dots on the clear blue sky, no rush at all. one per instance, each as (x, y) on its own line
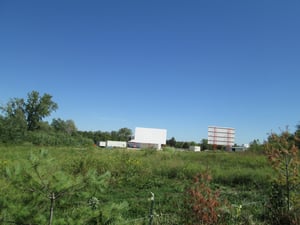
(178, 65)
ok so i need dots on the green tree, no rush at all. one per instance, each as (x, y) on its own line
(284, 158)
(13, 124)
(15, 106)
(70, 127)
(38, 107)
(204, 144)
(186, 145)
(33, 110)
(124, 134)
(105, 136)
(114, 135)
(171, 142)
(297, 135)
(67, 126)
(256, 146)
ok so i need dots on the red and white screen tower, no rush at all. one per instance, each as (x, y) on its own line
(221, 136)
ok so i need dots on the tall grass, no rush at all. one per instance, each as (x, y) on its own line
(134, 173)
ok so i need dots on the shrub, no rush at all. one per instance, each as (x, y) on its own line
(202, 204)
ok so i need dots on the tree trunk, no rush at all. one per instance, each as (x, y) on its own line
(52, 200)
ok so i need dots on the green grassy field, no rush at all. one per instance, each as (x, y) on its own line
(242, 178)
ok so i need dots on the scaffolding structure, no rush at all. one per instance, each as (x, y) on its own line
(223, 136)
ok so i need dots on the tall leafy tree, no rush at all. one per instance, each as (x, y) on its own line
(33, 110)
(14, 107)
(67, 126)
(38, 107)
(124, 134)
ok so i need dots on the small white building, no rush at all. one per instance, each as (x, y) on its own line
(195, 148)
(148, 138)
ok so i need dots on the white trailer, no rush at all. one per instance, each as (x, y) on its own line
(116, 144)
(102, 144)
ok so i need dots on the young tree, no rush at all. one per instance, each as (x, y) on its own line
(284, 158)
(45, 191)
(202, 204)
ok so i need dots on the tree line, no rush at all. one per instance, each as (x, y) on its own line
(292, 137)
(22, 121)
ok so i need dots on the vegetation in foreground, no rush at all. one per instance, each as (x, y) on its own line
(48, 185)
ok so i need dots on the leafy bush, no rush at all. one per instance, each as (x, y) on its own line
(42, 138)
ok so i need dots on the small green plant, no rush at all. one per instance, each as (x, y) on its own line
(151, 209)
